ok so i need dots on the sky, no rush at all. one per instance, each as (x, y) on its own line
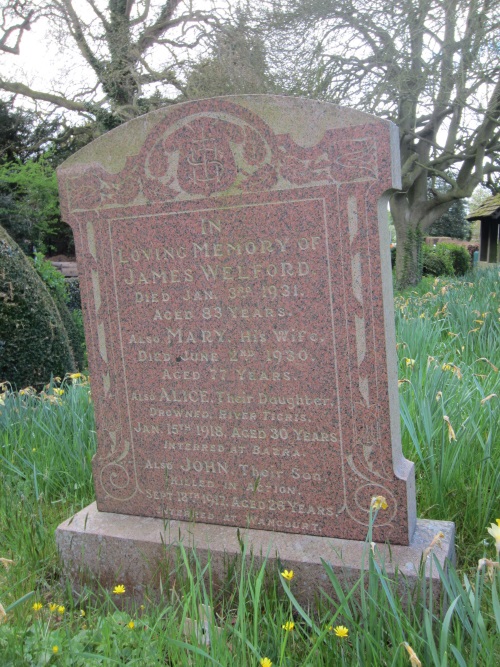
(52, 62)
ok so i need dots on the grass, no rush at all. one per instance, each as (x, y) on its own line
(448, 337)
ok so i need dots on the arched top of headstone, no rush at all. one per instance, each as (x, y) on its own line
(226, 146)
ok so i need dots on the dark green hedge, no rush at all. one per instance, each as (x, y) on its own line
(34, 343)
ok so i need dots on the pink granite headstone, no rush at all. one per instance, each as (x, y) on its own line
(234, 264)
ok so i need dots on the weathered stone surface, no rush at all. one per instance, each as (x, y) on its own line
(235, 274)
(139, 552)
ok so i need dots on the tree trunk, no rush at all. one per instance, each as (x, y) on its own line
(409, 238)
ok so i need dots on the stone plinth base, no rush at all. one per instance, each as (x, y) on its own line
(139, 552)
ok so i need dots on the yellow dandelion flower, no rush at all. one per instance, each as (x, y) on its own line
(494, 531)
(55, 649)
(289, 625)
(451, 432)
(37, 606)
(265, 662)
(379, 502)
(287, 574)
(131, 625)
(53, 606)
(119, 589)
(61, 609)
(414, 661)
(341, 631)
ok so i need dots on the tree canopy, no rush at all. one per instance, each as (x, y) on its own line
(131, 51)
(430, 66)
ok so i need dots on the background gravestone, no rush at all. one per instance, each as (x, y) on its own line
(234, 262)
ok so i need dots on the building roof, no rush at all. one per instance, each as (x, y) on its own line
(490, 208)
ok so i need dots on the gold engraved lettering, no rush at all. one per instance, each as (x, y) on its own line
(306, 476)
(198, 295)
(145, 428)
(249, 433)
(153, 277)
(255, 271)
(193, 447)
(291, 401)
(214, 467)
(313, 436)
(184, 396)
(283, 417)
(226, 397)
(210, 226)
(280, 452)
(163, 254)
(142, 355)
(203, 336)
(239, 416)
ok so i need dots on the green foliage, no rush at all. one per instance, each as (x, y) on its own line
(449, 355)
(453, 223)
(33, 339)
(445, 259)
(460, 258)
(53, 278)
(29, 206)
(57, 285)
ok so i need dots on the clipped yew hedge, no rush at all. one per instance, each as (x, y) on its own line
(34, 343)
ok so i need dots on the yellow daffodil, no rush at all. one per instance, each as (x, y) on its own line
(289, 625)
(53, 606)
(341, 631)
(55, 649)
(57, 391)
(414, 661)
(75, 376)
(287, 574)
(409, 362)
(451, 432)
(119, 589)
(494, 531)
(379, 502)
(131, 625)
(61, 609)
(37, 606)
(265, 662)
(82, 612)
(490, 565)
